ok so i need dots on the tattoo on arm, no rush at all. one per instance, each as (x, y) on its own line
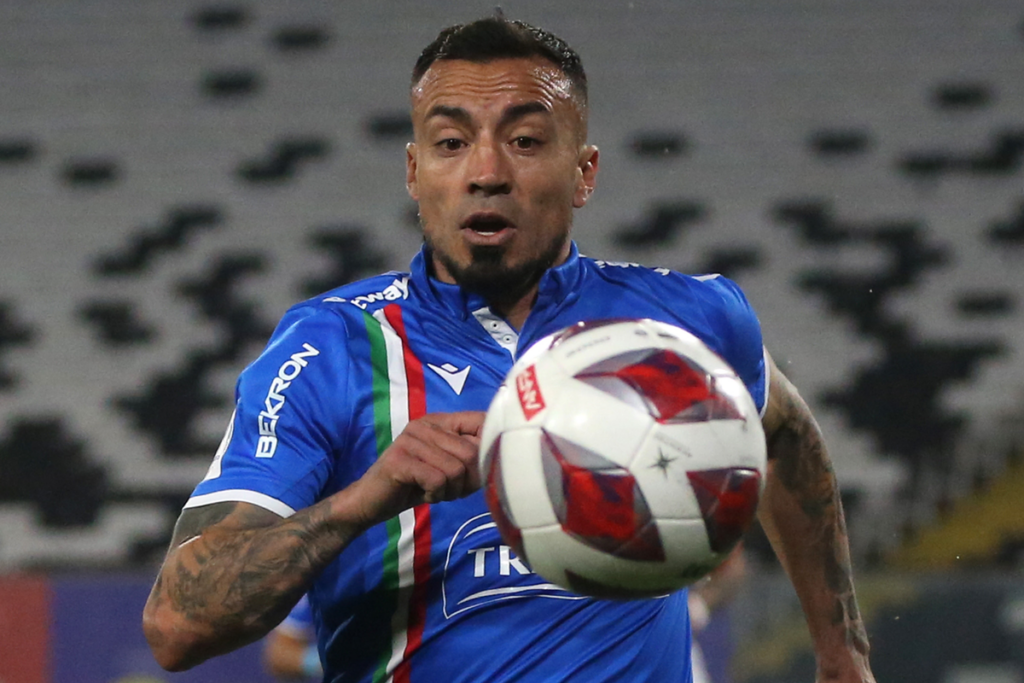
(235, 569)
(803, 468)
(801, 462)
(193, 521)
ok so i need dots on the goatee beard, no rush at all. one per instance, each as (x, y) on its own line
(488, 275)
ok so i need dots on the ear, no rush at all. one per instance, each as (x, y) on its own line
(587, 177)
(411, 185)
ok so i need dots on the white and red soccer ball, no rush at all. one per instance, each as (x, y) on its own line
(622, 459)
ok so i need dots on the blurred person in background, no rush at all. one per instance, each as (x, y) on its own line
(289, 651)
(709, 596)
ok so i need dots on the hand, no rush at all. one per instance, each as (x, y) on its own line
(434, 459)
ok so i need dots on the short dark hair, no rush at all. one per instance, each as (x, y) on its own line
(493, 38)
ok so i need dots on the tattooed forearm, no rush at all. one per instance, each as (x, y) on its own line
(234, 571)
(804, 469)
(804, 518)
(802, 466)
(247, 571)
(839, 577)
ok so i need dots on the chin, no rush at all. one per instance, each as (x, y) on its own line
(486, 263)
(494, 270)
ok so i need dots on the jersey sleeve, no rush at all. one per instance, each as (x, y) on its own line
(290, 417)
(740, 332)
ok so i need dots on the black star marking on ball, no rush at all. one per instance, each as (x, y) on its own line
(663, 462)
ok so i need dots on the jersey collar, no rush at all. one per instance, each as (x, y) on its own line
(558, 285)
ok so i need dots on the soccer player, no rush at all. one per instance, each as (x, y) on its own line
(349, 467)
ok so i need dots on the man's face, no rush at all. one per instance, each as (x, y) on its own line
(497, 165)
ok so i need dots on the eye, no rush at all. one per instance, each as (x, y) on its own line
(451, 144)
(524, 142)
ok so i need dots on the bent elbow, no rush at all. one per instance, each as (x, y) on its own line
(173, 648)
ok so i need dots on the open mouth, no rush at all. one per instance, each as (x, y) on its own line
(486, 225)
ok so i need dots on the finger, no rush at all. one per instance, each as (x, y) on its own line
(421, 475)
(462, 446)
(472, 424)
(469, 422)
(458, 466)
(459, 458)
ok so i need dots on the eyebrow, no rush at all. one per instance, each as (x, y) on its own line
(512, 113)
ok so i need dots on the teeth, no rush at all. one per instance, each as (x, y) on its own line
(487, 227)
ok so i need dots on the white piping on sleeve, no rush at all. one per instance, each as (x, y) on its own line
(241, 496)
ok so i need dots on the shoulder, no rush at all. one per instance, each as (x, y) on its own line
(330, 321)
(341, 306)
(711, 290)
(719, 292)
(366, 294)
(711, 306)
(622, 271)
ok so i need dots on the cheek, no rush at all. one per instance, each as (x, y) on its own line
(554, 192)
(433, 196)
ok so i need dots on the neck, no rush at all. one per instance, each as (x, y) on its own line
(511, 294)
(517, 311)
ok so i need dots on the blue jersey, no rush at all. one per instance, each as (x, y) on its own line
(299, 622)
(433, 594)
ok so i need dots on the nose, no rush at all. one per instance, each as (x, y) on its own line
(489, 173)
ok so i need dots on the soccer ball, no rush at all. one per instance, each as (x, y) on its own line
(622, 458)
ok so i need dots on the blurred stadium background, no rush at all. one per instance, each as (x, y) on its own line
(174, 174)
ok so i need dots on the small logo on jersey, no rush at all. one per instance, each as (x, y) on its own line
(274, 402)
(455, 378)
(399, 289)
(530, 398)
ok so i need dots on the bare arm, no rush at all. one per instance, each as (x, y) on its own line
(233, 573)
(803, 517)
(234, 570)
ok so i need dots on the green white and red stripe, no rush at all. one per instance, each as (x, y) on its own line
(399, 395)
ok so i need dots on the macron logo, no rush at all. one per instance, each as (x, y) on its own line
(455, 378)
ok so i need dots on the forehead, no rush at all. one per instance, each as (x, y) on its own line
(466, 84)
